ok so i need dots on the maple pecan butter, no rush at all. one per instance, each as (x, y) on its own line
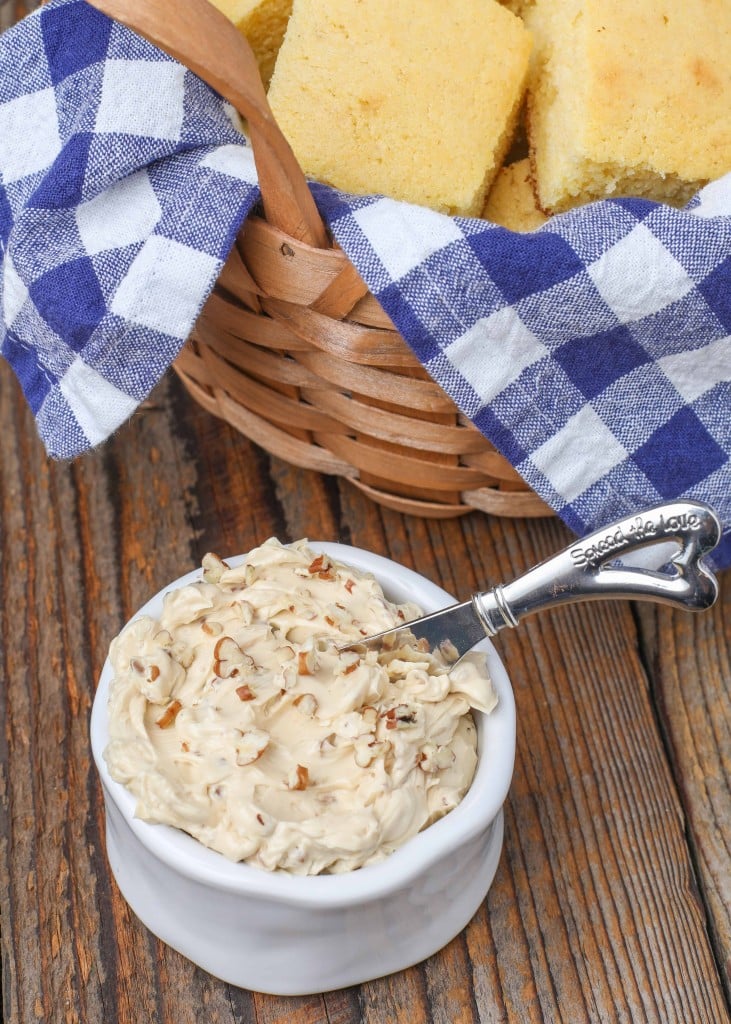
(234, 717)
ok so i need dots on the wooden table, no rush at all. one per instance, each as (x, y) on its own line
(613, 896)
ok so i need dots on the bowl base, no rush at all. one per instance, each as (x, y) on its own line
(207, 929)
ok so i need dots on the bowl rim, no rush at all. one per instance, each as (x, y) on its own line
(474, 814)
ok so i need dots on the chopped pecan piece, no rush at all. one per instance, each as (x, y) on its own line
(229, 659)
(369, 715)
(298, 778)
(169, 715)
(400, 717)
(306, 663)
(213, 567)
(366, 750)
(252, 746)
(433, 758)
(350, 660)
(306, 703)
(319, 564)
(329, 743)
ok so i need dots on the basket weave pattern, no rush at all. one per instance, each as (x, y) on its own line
(291, 348)
(294, 352)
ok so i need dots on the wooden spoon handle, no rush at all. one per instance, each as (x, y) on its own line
(205, 41)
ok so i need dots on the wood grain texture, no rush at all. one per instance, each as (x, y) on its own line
(13, 10)
(604, 908)
(690, 659)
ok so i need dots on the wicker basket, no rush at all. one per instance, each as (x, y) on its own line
(292, 349)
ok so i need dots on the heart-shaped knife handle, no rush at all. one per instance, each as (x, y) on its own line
(592, 568)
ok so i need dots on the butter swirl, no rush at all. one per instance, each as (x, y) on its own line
(234, 717)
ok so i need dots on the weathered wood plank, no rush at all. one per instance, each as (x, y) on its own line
(689, 659)
(13, 10)
(600, 837)
(595, 912)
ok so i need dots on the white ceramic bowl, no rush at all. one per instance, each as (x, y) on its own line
(291, 935)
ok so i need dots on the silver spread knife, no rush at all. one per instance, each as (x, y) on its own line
(587, 570)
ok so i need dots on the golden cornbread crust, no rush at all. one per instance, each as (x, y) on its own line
(417, 100)
(629, 97)
(263, 23)
(511, 202)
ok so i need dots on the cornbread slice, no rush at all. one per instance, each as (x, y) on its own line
(416, 100)
(511, 201)
(263, 23)
(629, 97)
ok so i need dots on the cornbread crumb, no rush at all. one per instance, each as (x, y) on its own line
(629, 97)
(416, 100)
(263, 23)
(511, 201)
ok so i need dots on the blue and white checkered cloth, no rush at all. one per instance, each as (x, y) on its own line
(594, 352)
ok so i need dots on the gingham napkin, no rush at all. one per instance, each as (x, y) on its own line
(595, 352)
